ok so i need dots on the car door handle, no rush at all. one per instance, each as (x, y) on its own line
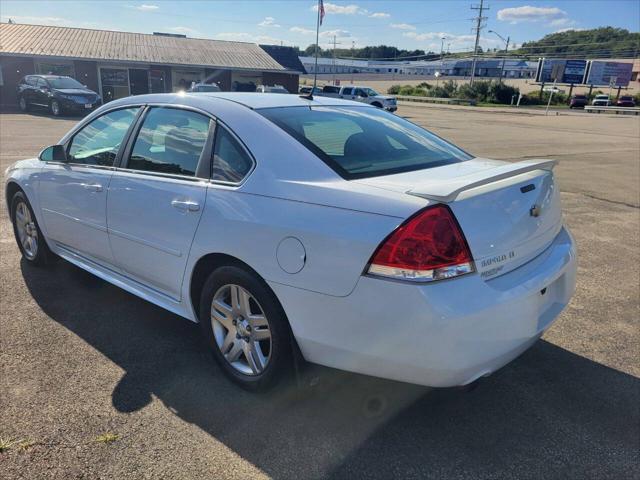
(186, 205)
(93, 187)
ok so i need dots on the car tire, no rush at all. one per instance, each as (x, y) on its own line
(23, 104)
(27, 232)
(226, 338)
(55, 108)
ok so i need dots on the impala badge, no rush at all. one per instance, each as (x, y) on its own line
(535, 211)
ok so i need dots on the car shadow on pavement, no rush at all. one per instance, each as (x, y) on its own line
(549, 414)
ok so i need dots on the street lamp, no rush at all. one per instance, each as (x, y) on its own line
(505, 51)
(442, 52)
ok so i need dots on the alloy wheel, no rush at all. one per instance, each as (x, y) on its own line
(23, 104)
(55, 108)
(27, 230)
(241, 329)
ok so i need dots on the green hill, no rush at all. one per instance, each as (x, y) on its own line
(598, 42)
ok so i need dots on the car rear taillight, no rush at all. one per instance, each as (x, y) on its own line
(428, 246)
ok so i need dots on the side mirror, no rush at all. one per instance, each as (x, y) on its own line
(54, 153)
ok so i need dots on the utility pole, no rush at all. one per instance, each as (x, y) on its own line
(478, 28)
(442, 53)
(353, 56)
(334, 59)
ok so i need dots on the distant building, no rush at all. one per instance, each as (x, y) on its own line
(513, 68)
(119, 64)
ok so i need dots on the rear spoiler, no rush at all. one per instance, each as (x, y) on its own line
(448, 191)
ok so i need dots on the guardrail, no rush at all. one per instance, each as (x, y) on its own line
(616, 110)
(448, 101)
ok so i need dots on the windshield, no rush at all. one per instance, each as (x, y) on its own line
(64, 82)
(360, 142)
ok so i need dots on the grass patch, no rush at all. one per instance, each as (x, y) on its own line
(6, 444)
(107, 438)
(25, 445)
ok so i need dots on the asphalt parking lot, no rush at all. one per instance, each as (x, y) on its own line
(80, 358)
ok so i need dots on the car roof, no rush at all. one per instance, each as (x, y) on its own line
(250, 100)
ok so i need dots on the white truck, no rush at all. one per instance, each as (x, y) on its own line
(360, 94)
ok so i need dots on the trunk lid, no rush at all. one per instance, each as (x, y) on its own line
(509, 212)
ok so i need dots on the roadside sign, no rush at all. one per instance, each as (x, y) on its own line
(601, 73)
(552, 89)
(561, 71)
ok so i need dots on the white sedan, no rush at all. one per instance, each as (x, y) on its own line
(295, 228)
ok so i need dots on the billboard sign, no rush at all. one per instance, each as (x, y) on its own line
(574, 71)
(561, 71)
(602, 73)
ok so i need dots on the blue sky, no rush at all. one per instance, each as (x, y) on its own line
(406, 24)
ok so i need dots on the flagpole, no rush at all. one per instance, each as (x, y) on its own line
(315, 68)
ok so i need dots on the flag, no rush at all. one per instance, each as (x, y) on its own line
(321, 10)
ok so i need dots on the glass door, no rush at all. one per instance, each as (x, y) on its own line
(114, 83)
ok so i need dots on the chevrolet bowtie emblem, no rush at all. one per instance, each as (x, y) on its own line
(535, 211)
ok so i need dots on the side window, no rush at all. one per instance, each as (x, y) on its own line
(31, 81)
(170, 141)
(98, 142)
(41, 82)
(230, 161)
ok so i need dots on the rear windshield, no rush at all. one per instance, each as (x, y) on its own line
(360, 142)
(64, 82)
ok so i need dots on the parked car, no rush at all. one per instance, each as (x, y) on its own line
(56, 93)
(361, 94)
(601, 101)
(307, 90)
(271, 89)
(291, 229)
(626, 101)
(204, 87)
(578, 101)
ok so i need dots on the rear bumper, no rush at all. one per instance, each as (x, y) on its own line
(442, 334)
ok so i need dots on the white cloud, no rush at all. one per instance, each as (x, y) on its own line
(269, 22)
(569, 29)
(146, 7)
(451, 40)
(336, 33)
(402, 26)
(341, 9)
(527, 13)
(302, 31)
(247, 37)
(55, 22)
(380, 15)
(184, 30)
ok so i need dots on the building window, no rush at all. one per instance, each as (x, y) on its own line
(182, 79)
(1, 79)
(46, 68)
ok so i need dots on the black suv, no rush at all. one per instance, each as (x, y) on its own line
(56, 93)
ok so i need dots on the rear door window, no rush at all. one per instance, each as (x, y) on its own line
(231, 163)
(170, 141)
